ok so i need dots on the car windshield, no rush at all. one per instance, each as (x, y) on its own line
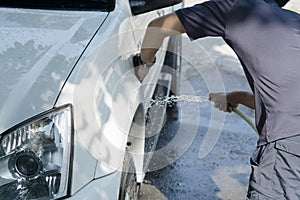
(102, 5)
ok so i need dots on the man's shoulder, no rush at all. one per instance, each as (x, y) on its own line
(224, 5)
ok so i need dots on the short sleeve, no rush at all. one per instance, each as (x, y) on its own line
(205, 19)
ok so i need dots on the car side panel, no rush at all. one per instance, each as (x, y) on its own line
(93, 89)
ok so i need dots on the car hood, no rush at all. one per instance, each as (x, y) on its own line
(38, 51)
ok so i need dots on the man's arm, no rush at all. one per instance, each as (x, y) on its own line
(226, 101)
(157, 30)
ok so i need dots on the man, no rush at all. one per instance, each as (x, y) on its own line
(266, 39)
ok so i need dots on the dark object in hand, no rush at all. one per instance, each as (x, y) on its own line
(137, 61)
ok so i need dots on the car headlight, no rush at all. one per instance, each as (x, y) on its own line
(35, 157)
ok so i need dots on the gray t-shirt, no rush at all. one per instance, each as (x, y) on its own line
(266, 38)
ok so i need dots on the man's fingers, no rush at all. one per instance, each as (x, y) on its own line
(221, 102)
(212, 96)
(217, 96)
(223, 107)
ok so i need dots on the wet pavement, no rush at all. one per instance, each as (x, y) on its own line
(221, 171)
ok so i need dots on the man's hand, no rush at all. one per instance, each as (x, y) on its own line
(141, 68)
(227, 101)
(224, 102)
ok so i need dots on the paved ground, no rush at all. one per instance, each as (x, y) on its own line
(188, 170)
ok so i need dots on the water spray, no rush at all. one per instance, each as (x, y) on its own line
(199, 99)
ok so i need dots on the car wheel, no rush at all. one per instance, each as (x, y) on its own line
(129, 188)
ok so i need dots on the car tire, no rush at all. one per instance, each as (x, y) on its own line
(129, 188)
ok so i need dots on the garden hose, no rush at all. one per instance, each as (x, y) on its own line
(245, 118)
